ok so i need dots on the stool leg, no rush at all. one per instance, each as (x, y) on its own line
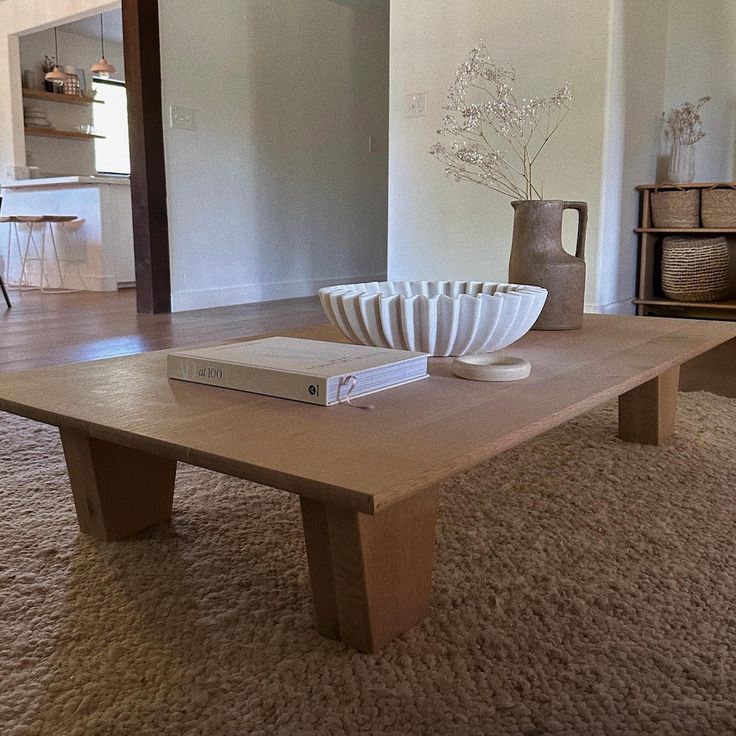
(13, 230)
(7, 257)
(56, 253)
(21, 254)
(7, 260)
(27, 257)
(43, 259)
(78, 261)
(5, 293)
(24, 259)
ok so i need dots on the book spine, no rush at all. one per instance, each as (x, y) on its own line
(266, 381)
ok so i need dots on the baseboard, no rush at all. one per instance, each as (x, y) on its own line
(184, 301)
(623, 306)
(99, 283)
(72, 280)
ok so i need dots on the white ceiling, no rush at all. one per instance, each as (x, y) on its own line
(113, 21)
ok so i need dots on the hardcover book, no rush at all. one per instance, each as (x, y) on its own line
(317, 372)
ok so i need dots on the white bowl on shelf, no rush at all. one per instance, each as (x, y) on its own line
(438, 317)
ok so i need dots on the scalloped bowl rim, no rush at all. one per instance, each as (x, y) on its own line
(509, 288)
(408, 318)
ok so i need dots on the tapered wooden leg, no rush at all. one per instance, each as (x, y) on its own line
(646, 414)
(371, 575)
(117, 491)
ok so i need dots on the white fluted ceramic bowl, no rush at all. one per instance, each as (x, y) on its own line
(436, 317)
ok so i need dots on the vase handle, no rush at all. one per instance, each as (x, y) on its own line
(582, 208)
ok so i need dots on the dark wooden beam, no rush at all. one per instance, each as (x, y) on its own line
(148, 174)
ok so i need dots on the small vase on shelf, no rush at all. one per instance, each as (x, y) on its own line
(682, 163)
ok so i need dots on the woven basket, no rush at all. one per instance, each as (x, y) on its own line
(718, 208)
(676, 208)
(695, 269)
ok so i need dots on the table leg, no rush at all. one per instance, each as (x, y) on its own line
(117, 491)
(646, 414)
(371, 575)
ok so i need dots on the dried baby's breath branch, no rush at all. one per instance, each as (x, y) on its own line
(471, 156)
(684, 122)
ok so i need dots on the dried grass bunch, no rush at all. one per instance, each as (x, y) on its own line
(482, 108)
(684, 124)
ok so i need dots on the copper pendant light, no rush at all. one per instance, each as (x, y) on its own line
(103, 68)
(56, 76)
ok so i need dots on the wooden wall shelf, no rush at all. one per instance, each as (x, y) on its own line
(37, 94)
(696, 230)
(692, 185)
(664, 302)
(649, 299)
(52, 133)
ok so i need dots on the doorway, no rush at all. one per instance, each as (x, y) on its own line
(134, 31)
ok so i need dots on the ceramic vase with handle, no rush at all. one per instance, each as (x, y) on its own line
(538, 258)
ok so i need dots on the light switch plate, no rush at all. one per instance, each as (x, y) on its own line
(182, 118)
(416, 105)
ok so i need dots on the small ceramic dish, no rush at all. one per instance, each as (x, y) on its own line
(491, 367)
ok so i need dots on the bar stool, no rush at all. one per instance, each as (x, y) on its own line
(26, 253)
(23, 251)
(50, 221)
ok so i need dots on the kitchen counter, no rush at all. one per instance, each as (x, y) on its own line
(98, 247)
(59, 181)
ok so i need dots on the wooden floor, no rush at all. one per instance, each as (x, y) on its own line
(49, 329)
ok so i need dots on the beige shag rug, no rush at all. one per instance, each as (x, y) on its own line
(582, 586)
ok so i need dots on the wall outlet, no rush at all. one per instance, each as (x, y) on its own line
(416, 105)
(182, 118)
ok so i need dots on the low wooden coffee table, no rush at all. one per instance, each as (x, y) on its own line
(368, 480)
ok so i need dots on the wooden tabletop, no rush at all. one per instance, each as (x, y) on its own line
(416, 436)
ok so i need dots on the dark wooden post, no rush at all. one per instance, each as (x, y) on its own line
(148, 174)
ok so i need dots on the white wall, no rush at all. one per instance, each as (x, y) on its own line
(701, 60)
(663, 52)
(52, 155)
(248, 188)
(275, 193)
(636, 73)
(442, 229)
(19, 17)
(629, 61)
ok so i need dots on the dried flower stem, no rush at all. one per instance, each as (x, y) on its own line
(685, 124)
(471, 156)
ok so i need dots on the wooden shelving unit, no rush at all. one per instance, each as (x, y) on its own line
(53, 133)
(681, 230)
(664, 302)
(37, 94)
(650, 300)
